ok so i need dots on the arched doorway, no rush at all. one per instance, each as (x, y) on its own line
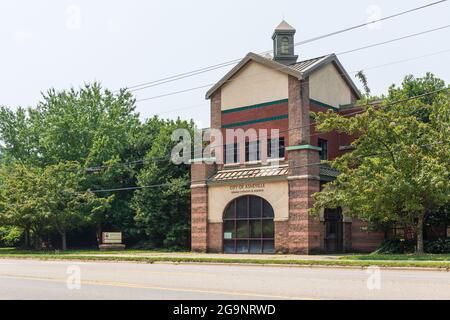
(334, 231)
(248, 226)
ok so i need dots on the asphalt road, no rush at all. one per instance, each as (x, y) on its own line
(42, 280)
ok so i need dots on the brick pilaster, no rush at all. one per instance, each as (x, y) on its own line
(200, 172)
(304, 230)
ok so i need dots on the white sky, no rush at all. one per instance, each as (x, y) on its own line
(122, 43)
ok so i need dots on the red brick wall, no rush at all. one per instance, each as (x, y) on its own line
(216, 110)
(215, 237)
(282, 236)
(365, 241)
(199, 219)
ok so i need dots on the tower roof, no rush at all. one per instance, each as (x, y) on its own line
(285, 26)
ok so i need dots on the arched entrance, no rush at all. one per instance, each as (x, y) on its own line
(248, 226)
(334, 231)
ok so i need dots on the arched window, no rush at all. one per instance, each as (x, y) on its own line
(248, 226)
(285, 45)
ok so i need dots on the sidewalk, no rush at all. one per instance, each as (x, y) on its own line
(275, 257)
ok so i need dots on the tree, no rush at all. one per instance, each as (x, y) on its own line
(91, 126)
(163, 212)
(41, 200)
(65, 204)
(399, 171)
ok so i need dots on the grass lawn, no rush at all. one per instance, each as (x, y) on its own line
(349, 261)
(14, 251)
(399, 257)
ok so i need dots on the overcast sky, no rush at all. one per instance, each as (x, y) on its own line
(122, 43)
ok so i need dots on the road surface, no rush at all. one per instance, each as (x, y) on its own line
(27, 279)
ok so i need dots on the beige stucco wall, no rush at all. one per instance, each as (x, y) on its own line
(276, 193)
(327, 86)
(254, 84)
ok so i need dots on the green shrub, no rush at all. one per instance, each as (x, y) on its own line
(10, 236)
(437, 246)
(396, 246)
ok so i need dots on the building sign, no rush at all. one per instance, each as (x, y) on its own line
(228, 235)
(247, 188)
(112, 237)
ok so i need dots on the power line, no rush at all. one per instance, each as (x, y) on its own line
(209, 179)
(228, 63)
(285, 67)
(288, 130)
(352, 72)
(393, 40)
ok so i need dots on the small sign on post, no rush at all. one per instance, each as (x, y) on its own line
(112, 237)
(112, 241)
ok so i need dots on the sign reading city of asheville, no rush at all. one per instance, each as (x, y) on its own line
(245, 188)
(112, 237)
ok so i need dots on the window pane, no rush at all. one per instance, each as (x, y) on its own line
(255, 246)
(242, 229)
(267, 210)
(229, 213)
(268, 229)
(255, 207)
(255, 229)
(242, 209)
(228, 227)
(242, 246)
(269, 246)
(228, 246)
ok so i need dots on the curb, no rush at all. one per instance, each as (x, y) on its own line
(249, 264)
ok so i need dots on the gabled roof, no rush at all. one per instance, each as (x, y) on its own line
(299, 70)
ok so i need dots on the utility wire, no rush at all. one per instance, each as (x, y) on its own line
(286, 67)
(231, 62)
(282, 131)
(204, 104)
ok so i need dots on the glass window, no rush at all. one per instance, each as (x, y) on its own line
(275, 148)
(248, 226)
(267, 210)
(231, 153)
(255, 207)
(252, 151)
(255, 229)
(255, 246)
(242, 208)
(285, 45)
(323, 154)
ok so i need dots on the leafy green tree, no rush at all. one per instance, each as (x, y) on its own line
(19, 200)
(399, 171)
(53, 198)
(90, 126)
(163, 212)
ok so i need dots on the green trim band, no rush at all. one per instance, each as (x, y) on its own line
(246, 123)
(304, 147)
(260, 105)
(197, 160)
(323, 104)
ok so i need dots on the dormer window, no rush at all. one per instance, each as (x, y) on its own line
(285, 45)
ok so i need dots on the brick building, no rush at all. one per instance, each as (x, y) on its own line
(255, 200)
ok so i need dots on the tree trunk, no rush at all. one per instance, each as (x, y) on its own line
(63, 241)
(27, 238)
(99, 234)
(420, 223)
